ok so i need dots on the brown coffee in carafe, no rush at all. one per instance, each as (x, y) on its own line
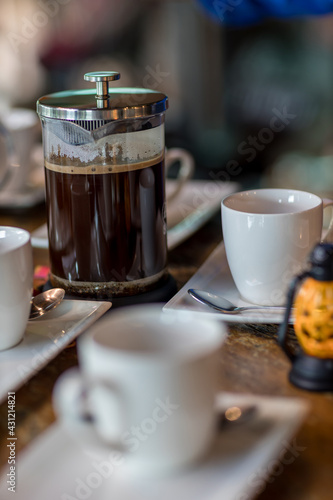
(105, 195)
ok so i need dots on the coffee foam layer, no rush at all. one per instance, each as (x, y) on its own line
(129, 147)
(102, 169)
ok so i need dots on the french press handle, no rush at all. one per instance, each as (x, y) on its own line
(102, 79)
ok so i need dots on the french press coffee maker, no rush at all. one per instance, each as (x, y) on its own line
(105, 188)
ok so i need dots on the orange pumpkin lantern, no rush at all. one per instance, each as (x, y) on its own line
(314, 317)
(313, 312)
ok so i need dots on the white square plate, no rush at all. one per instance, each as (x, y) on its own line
(55, 467)
(44, 338)
(214, 276)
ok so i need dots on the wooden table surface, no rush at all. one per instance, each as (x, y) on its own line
(252, 363)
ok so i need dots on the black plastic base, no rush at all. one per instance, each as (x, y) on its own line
(312, 374)
(164, 292)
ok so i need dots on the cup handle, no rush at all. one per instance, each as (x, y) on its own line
(7, 166)
(72, 405)
(329, 233)
(186, 169)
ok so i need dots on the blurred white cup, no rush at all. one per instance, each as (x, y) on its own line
(16, 283)
(21, 131)
(149, 378)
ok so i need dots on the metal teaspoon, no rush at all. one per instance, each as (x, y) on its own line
(223, 305)
(46, 301)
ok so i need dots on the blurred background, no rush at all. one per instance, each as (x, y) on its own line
(252, 104)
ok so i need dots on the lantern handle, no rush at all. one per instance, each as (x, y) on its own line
(283, 329)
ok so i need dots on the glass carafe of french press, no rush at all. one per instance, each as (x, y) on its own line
(105, 188)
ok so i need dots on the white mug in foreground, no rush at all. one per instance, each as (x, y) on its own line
(150, 379)
(16, 271)
(268, 235)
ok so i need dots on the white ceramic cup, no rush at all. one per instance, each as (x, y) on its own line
(150, 379)
(23, 128)
(16, 272)
(268, 235)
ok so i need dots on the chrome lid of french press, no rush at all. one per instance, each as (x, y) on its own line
(103, 103)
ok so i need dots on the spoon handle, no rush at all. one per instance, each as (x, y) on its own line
(223, 305)
(262, 308)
